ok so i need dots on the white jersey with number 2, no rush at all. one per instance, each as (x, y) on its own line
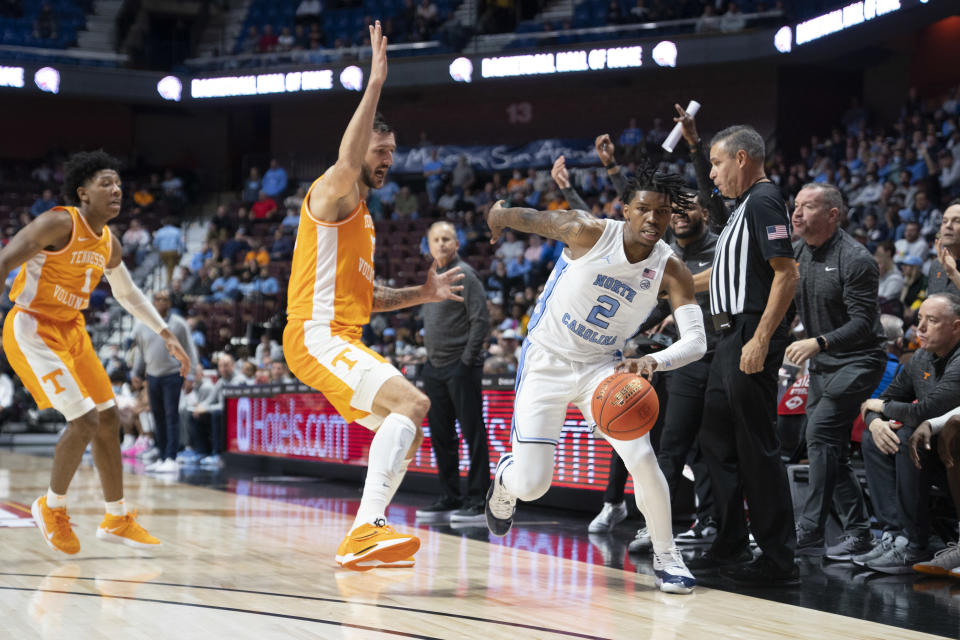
(590, 306)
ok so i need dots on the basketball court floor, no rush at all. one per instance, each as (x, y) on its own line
(252, 557)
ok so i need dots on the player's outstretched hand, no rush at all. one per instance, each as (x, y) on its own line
(644, 366)
(560, 174)
(173, 346)
(688, 127)
(605, 148)
(443, 286)
(493, 221)
(378, 58)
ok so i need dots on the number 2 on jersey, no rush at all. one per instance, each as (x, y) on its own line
(607, 308)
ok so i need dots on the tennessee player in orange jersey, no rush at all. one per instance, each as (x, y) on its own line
(62, 255)
(331, 294)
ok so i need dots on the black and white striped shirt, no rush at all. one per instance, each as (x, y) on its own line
(758, 230)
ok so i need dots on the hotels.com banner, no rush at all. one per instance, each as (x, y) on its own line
(293, 423)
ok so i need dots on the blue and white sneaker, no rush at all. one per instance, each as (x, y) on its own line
(189, 457)
(671, 572)
(500, 505)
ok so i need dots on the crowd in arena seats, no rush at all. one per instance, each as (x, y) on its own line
(50, 24)
(279, 27)
(322, 30)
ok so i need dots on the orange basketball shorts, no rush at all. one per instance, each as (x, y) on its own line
(57, 363)
(347, 372)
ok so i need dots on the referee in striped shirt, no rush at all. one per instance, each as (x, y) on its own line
(752, 285)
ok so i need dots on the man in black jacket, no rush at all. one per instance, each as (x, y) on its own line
(927, 387)
(837, 303)
(454, 333)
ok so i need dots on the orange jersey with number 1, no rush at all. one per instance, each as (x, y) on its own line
(56, 284)
(331, 276)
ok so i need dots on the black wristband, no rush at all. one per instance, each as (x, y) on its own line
(822, 343)
(610, 166)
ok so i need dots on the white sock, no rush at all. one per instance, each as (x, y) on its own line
(116, 508)
(56, 501)
(398, 478)
(385, 466)
(650, 489)
(128, 441)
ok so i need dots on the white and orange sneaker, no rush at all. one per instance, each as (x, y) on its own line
(374, 563)
(376, 545)
(126, 530)
(55, 526)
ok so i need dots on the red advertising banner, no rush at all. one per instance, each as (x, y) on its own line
(303, 425)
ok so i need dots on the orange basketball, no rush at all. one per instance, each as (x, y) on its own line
(625, 406)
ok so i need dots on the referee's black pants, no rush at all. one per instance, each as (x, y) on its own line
(742, 450)
(454, 392)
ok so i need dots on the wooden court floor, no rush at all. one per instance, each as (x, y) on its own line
(236, 566)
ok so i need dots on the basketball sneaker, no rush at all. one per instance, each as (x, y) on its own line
(942, 562)
(403, 563)
(611, 515)
(55, 526)
(501, 506)
(125, 530)
(672, 575)
(880, 547)
(700, 532)
(372, 545)
(852, 544)
(641, 542)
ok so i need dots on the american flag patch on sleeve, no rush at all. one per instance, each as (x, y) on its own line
(649, 273)
(777, 232)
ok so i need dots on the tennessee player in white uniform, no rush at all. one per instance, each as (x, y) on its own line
(331, 296)
(600, 292)
(63, 254)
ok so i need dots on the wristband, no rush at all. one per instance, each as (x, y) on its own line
(610, 166)
(822, 343)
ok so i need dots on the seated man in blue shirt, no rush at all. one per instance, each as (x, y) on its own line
(45, 202)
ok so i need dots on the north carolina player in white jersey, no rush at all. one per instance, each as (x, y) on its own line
(600, 292)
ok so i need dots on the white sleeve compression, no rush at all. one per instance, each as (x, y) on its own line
(692, 343)
(937, 424)
(132, 299)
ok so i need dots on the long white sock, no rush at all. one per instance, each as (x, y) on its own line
(650, 489)
(55, 500)
(385, 466)
(398, 478)
(116, 508)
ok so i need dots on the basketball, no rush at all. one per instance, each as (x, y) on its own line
(625, 406)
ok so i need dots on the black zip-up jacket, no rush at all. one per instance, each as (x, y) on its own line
(933, 382)
(837, 299)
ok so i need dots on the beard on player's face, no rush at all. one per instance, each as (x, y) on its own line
(693, 227)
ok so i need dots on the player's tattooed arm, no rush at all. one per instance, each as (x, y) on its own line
(574, 228)
(389, 298)
(438, 287)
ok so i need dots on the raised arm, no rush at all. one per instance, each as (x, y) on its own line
(577, 229)
(562, 177)
(340, 181)
(605, 151)
(705, 188)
